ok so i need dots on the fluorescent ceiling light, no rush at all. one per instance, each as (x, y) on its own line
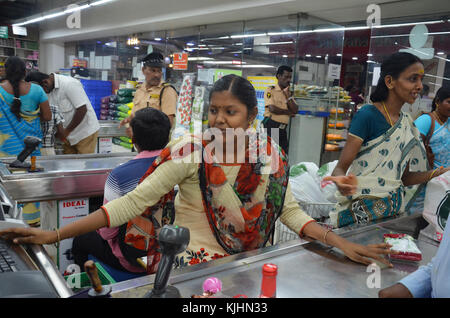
(31, 21)
(61, 13)
(275, 43)
(354, 58)
(440, 77)
(197, 48)
(308, 55)
(200, 58)
(339, 54)
(319, 56)
(54, 15)
(97, 3)
(282, 33)
(284, 55)
(158, 39)
(438, 33)
(405, 24)
(247, 35)
(218, 62)
(257, 66)
(77, 8)
(440, 53)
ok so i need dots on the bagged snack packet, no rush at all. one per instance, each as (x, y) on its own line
(404, 244)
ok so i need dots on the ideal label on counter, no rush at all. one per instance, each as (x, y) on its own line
(68, 212)
(105, 145)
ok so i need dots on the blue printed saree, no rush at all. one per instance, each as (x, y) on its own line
(379, 167)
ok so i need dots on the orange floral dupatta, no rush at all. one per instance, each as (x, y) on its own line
(242, 216)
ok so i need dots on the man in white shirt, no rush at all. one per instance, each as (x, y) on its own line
(81, 126)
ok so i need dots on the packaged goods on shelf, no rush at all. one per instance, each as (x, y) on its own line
(336, 137)
(120, 142)
(337, 125)
(332, 147)
(124, 99)
(125, 92)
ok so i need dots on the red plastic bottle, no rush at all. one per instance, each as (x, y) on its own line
(269, 281)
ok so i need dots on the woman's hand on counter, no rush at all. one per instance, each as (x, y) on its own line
(29, 236)
(395, 291)
(366, 254)
(356, 252)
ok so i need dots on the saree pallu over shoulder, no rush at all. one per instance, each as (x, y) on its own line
(379, 167)
(13, 131)
(242, 215)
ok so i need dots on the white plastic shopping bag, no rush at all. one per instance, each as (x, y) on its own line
(437, 204)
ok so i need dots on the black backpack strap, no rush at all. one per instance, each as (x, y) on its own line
(165, 85)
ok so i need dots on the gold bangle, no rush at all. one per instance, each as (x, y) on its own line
(58, 237)
(325, 235)
(431, 175)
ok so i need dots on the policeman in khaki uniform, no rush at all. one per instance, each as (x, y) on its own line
(154, 92)
(280, 106)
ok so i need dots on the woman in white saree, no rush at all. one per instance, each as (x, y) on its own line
(383, 153)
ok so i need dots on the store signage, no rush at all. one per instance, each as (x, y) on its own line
(69, 211)
(219, 73)
(19, 30)
(3, 32)
(105, 145)
(261, 83)
(79, 63)
(180, 61)
(334, 71)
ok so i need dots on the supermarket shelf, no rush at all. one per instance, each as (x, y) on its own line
(26, 49)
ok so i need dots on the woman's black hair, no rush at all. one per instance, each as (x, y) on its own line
(239, 87)
(15, 72)
(442, 94)
(151, 129)
(394, 65)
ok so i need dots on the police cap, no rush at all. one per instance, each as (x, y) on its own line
(154, 59)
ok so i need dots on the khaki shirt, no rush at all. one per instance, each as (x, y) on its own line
(149, 97)
(275, 96)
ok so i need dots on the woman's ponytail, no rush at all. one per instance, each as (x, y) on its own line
(15, 72)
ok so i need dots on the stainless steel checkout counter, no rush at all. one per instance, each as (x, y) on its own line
(305, 269)
(68, 188)
(64, 176)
